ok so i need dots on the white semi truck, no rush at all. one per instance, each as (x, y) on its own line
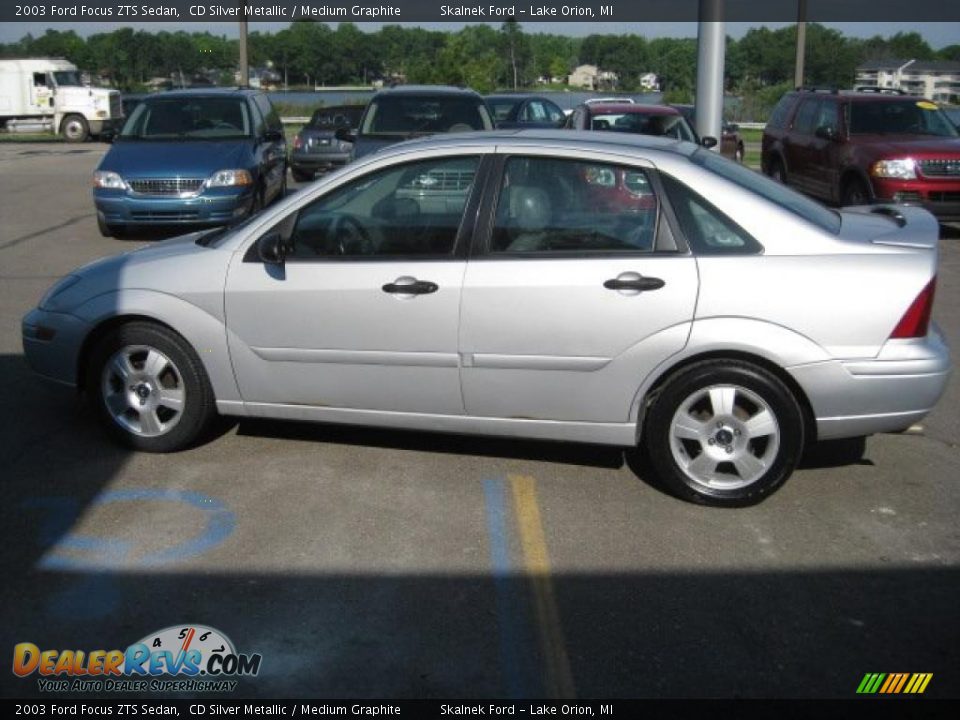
(47, 94)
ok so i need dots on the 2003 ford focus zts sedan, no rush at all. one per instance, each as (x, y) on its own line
(539, 284)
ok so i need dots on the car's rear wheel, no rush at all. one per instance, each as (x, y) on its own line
(724, 433)
(855, 192)
(149, 388)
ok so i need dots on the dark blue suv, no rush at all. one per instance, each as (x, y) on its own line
(192, 157)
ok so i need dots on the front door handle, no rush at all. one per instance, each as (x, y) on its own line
(635, 282)
(410, 286)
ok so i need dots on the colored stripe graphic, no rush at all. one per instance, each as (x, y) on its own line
(511, 610)
(894, 683)
(559, 679)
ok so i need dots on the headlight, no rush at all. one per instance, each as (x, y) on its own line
(48, 301)
(230, 178)
(900, 169)
(107, 179)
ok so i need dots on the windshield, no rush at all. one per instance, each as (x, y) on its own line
(763, 186)
(901, 117)
(333, 118)
(644, 124)
(65, 78)
(410, 114)
(189, 118)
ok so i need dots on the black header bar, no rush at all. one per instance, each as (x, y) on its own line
(393, 11)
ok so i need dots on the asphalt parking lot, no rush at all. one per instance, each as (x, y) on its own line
(368, 563)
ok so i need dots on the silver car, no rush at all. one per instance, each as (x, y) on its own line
(588, 287)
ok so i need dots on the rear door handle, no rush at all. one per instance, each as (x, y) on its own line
(634, 282)
(410, 286)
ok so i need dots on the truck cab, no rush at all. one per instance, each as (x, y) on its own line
(48, 94)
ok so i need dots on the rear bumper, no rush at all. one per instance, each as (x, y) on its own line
(222, 207)
(888, 393)
(318, 162)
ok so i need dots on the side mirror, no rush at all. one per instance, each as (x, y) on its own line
(345, 134)
(273, 135)
(826, 132)
(271, 249)
(708, 142)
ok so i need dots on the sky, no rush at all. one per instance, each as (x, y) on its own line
(938, 35)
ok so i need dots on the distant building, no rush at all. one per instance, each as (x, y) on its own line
(937, 80)
(650, 82)
(590, 77)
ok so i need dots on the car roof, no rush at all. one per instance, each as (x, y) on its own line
(858, 96)
(637, 109)
(570, 139)
(204, 92)
(428, 90)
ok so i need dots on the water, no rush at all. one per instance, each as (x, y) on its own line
(566, 100)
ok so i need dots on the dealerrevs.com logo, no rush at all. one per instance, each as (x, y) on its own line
(183, 658)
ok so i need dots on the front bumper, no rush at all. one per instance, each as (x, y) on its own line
(51, 344)
(98, 127)
(888, 393)
(212, 207)
(941, 197)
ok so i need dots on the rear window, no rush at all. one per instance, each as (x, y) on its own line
(411, 114)
(761, 185)
(333, 118)
(899, 117)
(673, 126)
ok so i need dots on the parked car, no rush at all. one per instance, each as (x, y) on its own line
(530, 309)
(191, 157)
(661, 120)
(731, 144)
(408, 111)
(855, 148)
(316, 147)
(524, 111)
(609, 101)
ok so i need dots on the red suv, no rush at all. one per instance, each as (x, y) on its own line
(855, 148)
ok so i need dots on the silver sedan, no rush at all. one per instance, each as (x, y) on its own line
(588, 287)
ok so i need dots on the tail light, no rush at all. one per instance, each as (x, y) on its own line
(916, 319)
(297, 142)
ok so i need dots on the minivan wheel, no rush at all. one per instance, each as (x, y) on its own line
(724, 433)
(149, 388)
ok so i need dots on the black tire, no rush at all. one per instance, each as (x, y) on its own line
(75, 129)
(257, 204)
(185, 372)
(108, 230)
(301, 176)
(282, 193)
(777, 172)
(755, 390)
(855, 192)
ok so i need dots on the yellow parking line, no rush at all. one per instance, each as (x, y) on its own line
(559, 679)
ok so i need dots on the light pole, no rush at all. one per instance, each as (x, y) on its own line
(801, 42)
(711, 50)
(244, 65)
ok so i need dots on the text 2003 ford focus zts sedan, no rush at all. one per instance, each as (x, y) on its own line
(540, 284)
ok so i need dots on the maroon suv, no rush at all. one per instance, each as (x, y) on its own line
(855, 148)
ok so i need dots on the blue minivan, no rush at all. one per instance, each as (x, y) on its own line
(191, 157)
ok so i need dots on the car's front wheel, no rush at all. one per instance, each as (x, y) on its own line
(149, 388)
(724, 433)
